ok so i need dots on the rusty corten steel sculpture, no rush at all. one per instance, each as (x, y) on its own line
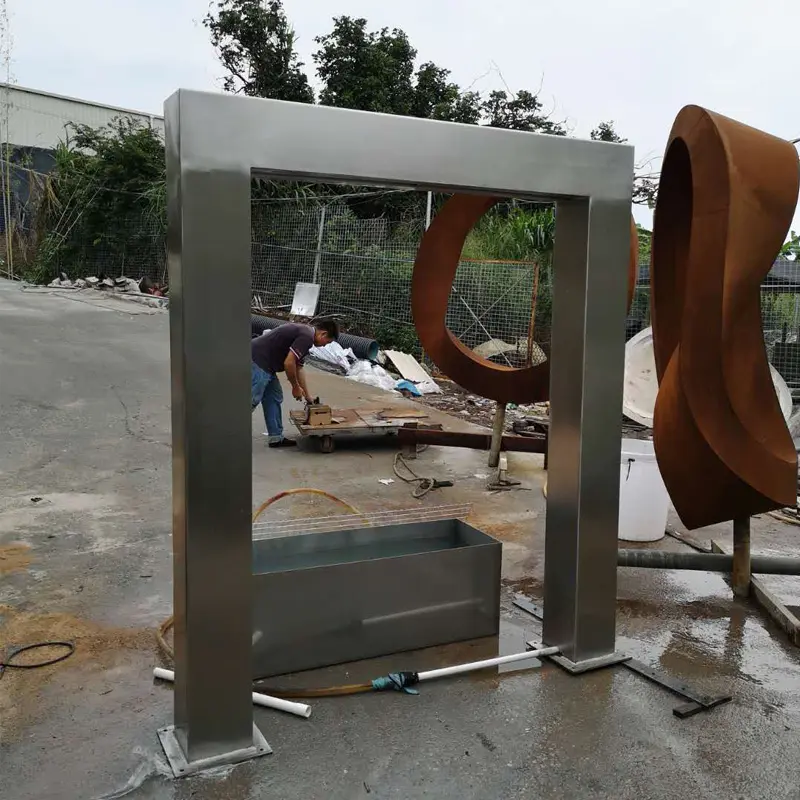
(434, 271)
(726, 200)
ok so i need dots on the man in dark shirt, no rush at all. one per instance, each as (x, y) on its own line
(284, 349)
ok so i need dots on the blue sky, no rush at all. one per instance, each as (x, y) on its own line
(634, 61)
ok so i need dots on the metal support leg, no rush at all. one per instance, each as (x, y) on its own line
(592, 242)
(497, 434)
(209, 265)
(740, 579)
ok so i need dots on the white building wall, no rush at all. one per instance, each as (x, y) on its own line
(30, 118)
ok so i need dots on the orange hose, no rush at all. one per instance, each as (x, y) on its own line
(267, 503)
(327, 691)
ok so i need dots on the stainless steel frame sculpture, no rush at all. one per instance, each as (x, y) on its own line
(214, 144)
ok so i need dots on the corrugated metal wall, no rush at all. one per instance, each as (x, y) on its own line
(37, 119)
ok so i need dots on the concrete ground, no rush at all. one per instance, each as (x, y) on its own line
(85, 556)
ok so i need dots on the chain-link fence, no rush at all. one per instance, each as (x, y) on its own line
(780, 316)
(364, 265)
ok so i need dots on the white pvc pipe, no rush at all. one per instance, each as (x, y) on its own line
(265, 700)
(431, 674)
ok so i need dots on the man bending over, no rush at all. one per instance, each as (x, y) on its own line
(284, 349)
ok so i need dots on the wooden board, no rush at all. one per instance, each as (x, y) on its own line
(363, 420)
(408, 366)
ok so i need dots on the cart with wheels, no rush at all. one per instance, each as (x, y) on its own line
(386, 420)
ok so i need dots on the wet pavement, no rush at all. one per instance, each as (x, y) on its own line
(85, 556)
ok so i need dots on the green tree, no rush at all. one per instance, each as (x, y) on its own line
(256, 44)
(375, 71)
(104, 183)
(370, 71)
(520, 112)
(436, 97)
(645, 244)
(791, 249)
(605, 132)
(645, 188)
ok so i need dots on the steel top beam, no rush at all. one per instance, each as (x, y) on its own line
(306, 142)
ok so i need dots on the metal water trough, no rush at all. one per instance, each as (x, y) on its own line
(329, 598)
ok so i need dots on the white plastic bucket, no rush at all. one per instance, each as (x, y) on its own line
(643, 498)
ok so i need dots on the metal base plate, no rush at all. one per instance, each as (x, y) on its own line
(697, 702)
(589, 664)
(181, 767)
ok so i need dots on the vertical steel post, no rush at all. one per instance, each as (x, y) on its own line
(588, 337)
(740, 577)
(209, 268)
(497, 434)
(320, 237)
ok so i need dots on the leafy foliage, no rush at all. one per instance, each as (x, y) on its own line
(645, 244)
(374, 71)
(515, 234)
(645, 191)
(605, 132)
(645, 188)
(104, 182)
(791, 249)
(436, 97)
(256, 45)
(370, 71)
(520, 112)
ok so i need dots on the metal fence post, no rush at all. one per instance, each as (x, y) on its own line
(740, 577)
(320, 236)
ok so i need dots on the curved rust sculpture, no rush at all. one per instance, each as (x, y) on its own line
(434, 272)
(726, 200)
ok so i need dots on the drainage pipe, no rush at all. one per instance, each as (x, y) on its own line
(361, 346)
(458, 669)
(706, 562)
(265, 700)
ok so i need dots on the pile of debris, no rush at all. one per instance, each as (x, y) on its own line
(393, 371)
(143, 288)
(458, 402)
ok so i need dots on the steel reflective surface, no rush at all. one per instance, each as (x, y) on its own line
(214, 144)
(209, 270)
(586, 375)
(362, 592)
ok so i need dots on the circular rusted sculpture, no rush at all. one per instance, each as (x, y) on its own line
(725, 203)
(434, 272)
